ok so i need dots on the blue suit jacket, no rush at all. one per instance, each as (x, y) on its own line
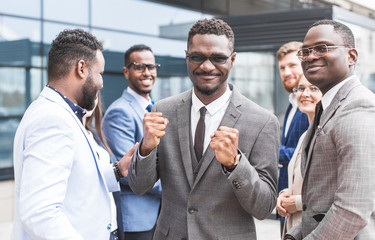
(297, 127)
(123, 127)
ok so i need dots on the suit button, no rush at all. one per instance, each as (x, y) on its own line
(183, 238)
(109, 226)
(236, 184)
(304, 207)
(192, 210)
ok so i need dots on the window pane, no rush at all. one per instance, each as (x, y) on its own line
(253, 74)
(30, 8)
(139, 16)
(12, 91)
(8, 129)
(166, 87)
(71, 11)
(115, 41)
(51, 30)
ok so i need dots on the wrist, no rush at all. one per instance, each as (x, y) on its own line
(236, 160)
(117, 171)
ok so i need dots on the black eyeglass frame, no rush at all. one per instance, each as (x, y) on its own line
(314, 50)
(156, 66)
(211, 58)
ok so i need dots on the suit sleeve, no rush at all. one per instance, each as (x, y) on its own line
(254, 180)
(45, 177)
(285, 154)
(354, 200)
(120, 128)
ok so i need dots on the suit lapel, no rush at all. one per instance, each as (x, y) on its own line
(326, 116)
(183, 125)
(230, 118)
(133, 103)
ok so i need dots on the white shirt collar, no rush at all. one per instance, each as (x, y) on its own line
(141, 100)
(328, 97)
(293, 100)
(214, 106)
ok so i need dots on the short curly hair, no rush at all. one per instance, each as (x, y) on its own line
(68, 48)
(288, 48)
(211, 26)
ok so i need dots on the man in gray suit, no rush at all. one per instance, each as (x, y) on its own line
(338, 192)
(215, 151)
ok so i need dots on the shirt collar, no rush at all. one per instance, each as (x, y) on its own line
(214, 106)
(141, 100)
(293, 100)
(78, 111)
(328, 97)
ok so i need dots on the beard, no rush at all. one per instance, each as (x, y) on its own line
(207, 91)
(89, 93)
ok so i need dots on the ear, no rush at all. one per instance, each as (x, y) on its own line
(353, 56)
(233, 58)
(125, 70)
(186, 55)
(82, 70)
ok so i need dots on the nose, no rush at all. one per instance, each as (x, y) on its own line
(146, 72)
(207, 65)
(312, 56)
(306, 92)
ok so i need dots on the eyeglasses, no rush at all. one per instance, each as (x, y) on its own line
(141, 67)
(309, 90)
(216, 59)
(318, 50)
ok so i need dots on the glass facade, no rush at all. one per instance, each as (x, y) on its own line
(27, 27)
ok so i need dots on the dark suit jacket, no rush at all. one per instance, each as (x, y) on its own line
(297, 127)
(210, 204)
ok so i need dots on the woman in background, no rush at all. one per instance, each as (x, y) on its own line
(289, 202)
(104, 155)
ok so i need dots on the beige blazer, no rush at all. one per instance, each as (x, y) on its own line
(295, 184)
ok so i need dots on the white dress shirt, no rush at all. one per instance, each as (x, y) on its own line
(214, 114)
(293, 101)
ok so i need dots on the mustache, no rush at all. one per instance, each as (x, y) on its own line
(207, 74)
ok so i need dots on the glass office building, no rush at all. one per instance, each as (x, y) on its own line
(27, 28)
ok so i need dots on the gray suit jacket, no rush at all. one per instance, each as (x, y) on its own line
(338, 191)
(214, 205)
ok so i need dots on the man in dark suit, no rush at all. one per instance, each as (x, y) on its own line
(338, 165)
(214, 150)
(295, 121)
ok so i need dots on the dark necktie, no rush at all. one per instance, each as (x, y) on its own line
(199, 134)
(149, 107)
(318, 114)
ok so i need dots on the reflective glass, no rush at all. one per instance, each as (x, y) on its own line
(169, 86)
(253, 75)
(51, 30)
(30, 8)
(115, 41)
(8, 129)
(12, 91)
(139, 16)
(71, 11)
(365, 45)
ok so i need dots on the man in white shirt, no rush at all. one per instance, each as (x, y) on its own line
(338, 166)
(214, 150)
(61, 193)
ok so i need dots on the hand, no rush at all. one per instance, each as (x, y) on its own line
(154, 126)
(225, 144)
(280, 209)
(289, 203)
(124, 163)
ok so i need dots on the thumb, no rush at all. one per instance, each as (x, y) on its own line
(132, 150)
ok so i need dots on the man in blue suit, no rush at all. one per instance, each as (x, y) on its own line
(295, 122)
(123, 127)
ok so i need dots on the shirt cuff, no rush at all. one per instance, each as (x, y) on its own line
(299, 202)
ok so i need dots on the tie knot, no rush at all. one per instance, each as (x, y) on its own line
(149, 107)
(203, 111)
